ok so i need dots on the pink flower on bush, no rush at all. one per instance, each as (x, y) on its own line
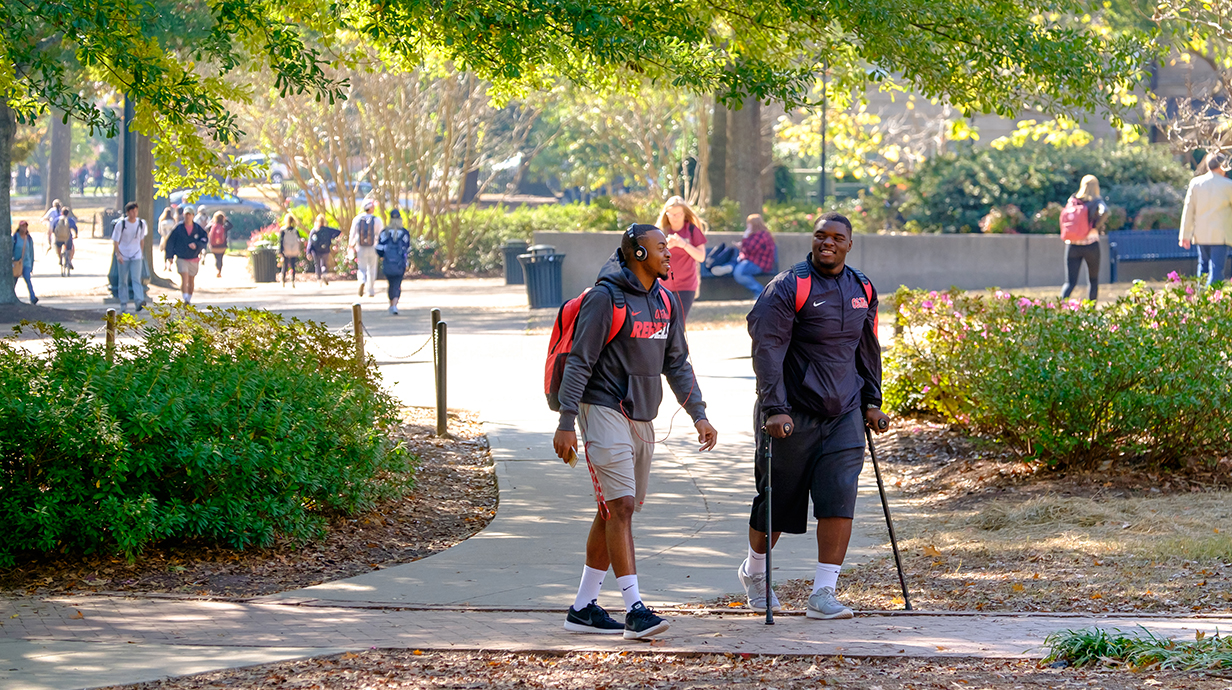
(1174, 277)
(1114, 328)
(1052, 305)
(1001, 294)
(933, 294)
(1023, 302)
(924, 391)
(1216, 296)
(928, 304)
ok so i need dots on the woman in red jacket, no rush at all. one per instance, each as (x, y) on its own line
(686, 238)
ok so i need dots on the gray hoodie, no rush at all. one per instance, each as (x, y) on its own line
(624, 374)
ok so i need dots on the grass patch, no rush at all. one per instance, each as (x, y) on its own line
(1143, 651)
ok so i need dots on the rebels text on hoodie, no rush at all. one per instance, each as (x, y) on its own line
(825, 360)
(624, 374)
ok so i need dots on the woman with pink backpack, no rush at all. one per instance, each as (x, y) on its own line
(1081, 220)
(220, 228)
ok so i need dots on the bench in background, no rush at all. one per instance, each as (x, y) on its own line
(1145, 245)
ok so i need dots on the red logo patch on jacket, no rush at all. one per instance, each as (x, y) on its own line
(859, 303)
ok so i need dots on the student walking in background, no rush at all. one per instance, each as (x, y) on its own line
(686, 237)
(166, 223)
(23, 256)
(51, 217)
(320, 246)
(128, 235)
(757, 254)
(1206, 219)
(220, 230)
(290, 248)
(185, 245)
(393, 246)
(1081, 220)
(362, 245)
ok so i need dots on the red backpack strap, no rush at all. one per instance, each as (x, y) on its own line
(619, 312)
(868, 294)
(804, 283)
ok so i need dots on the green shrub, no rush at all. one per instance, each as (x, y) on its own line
(1117, 218)
(1046, 220)
(1158, 218)
(234, 427)
(952, 192)
(1070, 383)
(1135, 197)
(788, 217)
(1001, 221)
(244, 223)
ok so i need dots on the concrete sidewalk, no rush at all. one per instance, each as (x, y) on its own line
(690, 536)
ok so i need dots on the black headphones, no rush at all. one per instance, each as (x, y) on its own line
(639, 252)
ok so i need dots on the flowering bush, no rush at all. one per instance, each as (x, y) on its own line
(1067, 382)
(264, 238)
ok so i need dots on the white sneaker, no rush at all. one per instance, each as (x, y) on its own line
(824, 605)
(755, 589)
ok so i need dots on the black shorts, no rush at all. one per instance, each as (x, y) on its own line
(822, 459)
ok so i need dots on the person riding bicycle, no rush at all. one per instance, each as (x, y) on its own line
(63, 232)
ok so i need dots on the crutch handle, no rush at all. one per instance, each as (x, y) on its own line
(883, 424)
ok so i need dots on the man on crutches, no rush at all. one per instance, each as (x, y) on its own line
(818, 366)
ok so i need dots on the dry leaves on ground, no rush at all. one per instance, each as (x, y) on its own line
(980, 530)
(455, 496)
(586, 671)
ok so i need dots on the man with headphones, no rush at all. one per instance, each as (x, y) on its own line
(611, 386)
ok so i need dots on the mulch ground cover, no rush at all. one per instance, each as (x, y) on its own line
(454, 497)
(600, 671)
(981, 530)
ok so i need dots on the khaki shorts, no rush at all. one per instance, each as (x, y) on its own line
(187, 267)
(619, 449)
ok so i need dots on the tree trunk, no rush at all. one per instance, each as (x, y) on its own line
(145, 202)
(8, 130)
(718, 154)
(744, 146)
(769, 114)
(59, 163)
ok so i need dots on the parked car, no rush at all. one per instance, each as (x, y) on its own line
(275, 170)
(361, 189)
(227, 203)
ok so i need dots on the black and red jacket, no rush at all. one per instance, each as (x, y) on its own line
(624, 374)
(823, 360)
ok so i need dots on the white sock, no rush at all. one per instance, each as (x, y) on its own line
(827, 576)
(588, 590)
(187, 298)
(628, 590)
(756, 562)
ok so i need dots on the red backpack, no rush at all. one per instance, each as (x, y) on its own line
(218, 235)
(561, 342)
(804, 285)
(1075, 222)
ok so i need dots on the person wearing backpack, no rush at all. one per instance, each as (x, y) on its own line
(686, 237)
(1081, 220)
(818, 366)
(394, 245)
(220, 229)
(63, 235)
(290, 247)
(628, 332)
(366, 227)
(320, 246)
(1206, 218)
(128, 236)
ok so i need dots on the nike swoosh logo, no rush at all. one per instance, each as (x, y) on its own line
(625, 589)
(818, 304)
(636, 313)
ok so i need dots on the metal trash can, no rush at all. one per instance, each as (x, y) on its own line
(513, 268)
(542, 267)
(264, 265)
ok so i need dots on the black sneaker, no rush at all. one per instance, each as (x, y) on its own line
(592, 619)
(641, 623)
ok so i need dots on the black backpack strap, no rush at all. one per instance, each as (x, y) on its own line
(801, 270)
(863, 278)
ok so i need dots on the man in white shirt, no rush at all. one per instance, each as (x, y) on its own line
(364, 230)
(1206, 219)
(129, 235)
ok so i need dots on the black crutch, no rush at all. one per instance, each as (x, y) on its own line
(885, 504)
(769, 521)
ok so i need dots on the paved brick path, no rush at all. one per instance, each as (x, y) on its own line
(306, 625)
